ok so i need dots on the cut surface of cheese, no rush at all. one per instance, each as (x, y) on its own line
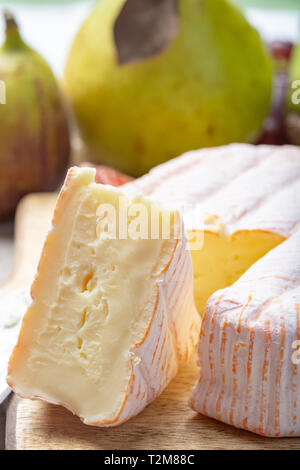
(112, 316)
(249, 348)
(239, 201)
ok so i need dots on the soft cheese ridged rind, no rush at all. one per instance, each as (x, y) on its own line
(249, 367)
(169, 338)
(238, 201)
(247, 187)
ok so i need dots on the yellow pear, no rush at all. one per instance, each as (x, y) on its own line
(209, 86)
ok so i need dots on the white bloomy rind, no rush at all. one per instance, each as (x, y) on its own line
(245, 187)
(249, 365)
(47, 363)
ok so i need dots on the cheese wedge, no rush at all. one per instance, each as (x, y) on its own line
(239, 201)
(113, 313)
(249, 349)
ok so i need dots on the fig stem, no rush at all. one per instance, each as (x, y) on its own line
(13, 39)
(10, 21)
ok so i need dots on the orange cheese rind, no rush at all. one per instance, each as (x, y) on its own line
(249, 366)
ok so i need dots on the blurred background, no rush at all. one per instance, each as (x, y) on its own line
(50, 25)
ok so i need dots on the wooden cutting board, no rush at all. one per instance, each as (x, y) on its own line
(168, 423)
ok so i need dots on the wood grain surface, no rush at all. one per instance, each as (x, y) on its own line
(168, 423)
(32, 221)
(6, 249)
